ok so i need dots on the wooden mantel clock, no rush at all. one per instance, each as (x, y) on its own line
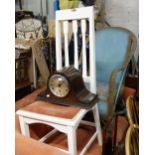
(66, 87)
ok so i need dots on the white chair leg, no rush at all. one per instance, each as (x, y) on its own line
(24, 127)
(72, 147)
(97, 124)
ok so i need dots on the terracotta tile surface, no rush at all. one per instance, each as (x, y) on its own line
(50, 109)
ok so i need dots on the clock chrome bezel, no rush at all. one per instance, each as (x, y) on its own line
(67, 81)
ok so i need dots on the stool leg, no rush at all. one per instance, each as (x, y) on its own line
(24, 127)
(72, 146)
(97, 124)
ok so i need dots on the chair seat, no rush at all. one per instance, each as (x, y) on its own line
(51, 109)
(28, 99)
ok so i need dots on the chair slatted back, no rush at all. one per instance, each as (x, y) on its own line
(76, 17)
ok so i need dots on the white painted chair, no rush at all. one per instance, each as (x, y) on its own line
(59, 121)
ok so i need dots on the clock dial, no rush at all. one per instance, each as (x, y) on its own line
(59, 85)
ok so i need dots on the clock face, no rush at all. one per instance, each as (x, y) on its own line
(58, 85)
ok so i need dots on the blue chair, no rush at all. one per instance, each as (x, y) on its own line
(114, 49)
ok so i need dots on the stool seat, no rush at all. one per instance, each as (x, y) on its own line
(51, 109)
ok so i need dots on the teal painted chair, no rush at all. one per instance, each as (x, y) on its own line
(114, 49)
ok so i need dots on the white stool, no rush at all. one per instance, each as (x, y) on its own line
(65, 119)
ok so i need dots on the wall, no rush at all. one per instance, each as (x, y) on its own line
(124, 13)
(35, 6)
(118, 12)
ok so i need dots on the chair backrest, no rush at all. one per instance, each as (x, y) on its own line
(114, 48)
(111, 49)
(76, 17)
